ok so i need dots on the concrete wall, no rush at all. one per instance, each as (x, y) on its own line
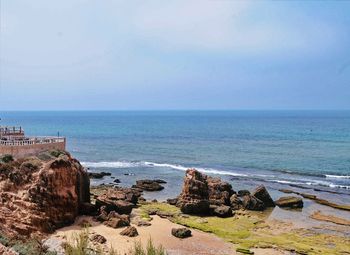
(30, 150)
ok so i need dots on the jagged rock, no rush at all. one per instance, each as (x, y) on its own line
(116, 223)
(223, 211)
(120, 206)
(243, 192)
(148, 185)
(262, 194)
(116, 180)
(235, 202)
(194, 198)
(41, 196)
(252, 203)
(181, 232)
(98, 239)
(219, 192)
(130, 232)
(172, 201)
(289, 202)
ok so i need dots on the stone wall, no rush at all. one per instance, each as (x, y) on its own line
(28, 150)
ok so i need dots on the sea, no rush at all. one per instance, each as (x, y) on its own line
(303, 150)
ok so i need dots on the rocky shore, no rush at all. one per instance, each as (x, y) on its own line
(48, 198)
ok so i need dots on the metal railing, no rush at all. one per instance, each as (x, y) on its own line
(32, 141)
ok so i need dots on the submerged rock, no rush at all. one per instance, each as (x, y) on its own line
(148, 185)
(289, 202)
(98, 175)
(181, 232)
(172, 201)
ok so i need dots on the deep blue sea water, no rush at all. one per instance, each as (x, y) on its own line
(310, 149)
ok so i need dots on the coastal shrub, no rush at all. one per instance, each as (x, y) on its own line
(7, 158)
(30, 247)
(57, 153)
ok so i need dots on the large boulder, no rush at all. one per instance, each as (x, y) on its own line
(290, 202)
(194, 198)
(235, 202)
(250, 202)
(219, 191)
(261, 193)
(223, 211)
(39, 196)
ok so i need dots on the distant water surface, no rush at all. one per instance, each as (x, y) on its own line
(308, 149)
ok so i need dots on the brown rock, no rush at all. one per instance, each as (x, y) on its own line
(252, 203)
(181, 232)
(235, 202)
(148, 185)
(130, 232)
(41, 196)
(289, 202)
(219, 192)
(223, 211)
(98, 239)
(262, 194)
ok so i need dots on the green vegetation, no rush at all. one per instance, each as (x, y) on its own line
(150, 249)
(28, 247)
(81, 245)
(250, 230)
(7, 158)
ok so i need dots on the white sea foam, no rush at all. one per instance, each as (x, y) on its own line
(337, 176)
(124, 164)
(114, 164)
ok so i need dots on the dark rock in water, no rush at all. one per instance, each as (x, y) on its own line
(116, 181)
(286, 191)
(289, 202)
(219, 192)
(181, 232)
(98, 239)
(262, 194)
(252, 203)
(129, 174)
(243, 192)
(160, 181)
(130, 232)
(98, 175)
(148, 185)
(223, 211)
(172, 201)
(309, 196)
(235, 202)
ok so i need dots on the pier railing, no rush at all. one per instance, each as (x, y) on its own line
(11, 131)
(32, 141)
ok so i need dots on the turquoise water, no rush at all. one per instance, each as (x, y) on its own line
(278, 148)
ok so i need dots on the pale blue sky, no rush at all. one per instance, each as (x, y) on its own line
(218, 54)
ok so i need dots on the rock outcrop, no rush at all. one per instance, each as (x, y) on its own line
(202, 194)
(130, 232)
(41, 195)
(181, 232)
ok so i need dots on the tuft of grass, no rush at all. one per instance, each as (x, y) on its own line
(150, 249)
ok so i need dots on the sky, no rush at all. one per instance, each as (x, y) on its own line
(174, 55)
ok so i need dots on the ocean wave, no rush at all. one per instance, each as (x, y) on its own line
(313, 183)
(337, 176)
(113, 164)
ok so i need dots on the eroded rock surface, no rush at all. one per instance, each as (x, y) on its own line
(41, 195)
